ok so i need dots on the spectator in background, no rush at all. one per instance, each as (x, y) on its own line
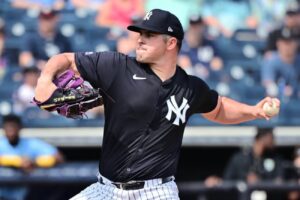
(87, 4)
(255, 164)
(118, 13)
(280, 71)
(3, 60)
(268, 14)
(48, 41)
(198, 54)
(127, 44)
(25, 93)
(260, 163)
(38, 4)
(295, 176)
(226, 16)
(292, 22)
(296, 163)
(23, 153)
(183, 8)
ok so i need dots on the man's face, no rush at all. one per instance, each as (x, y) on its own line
(150, 47)
(287, 47)
(291, 21)
(48, 24)
(195, 34)
(31, 78)
(268, 142)
(12, 130)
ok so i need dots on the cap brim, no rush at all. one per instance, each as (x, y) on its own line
(139, 27)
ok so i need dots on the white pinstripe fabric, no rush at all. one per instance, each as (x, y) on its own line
(153, 190)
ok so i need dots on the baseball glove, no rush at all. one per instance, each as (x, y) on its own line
(72, 98)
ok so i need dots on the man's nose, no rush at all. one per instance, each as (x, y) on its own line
(140, 39)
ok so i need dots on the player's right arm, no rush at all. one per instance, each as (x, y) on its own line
(55, 65)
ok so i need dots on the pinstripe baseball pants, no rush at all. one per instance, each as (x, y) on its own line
(153, 190)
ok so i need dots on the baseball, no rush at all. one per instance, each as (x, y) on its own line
(271, 110)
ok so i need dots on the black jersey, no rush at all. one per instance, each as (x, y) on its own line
(144, 117)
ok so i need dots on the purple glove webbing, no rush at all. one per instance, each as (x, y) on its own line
(68, 80)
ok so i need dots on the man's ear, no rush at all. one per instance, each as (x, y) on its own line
(172, 43)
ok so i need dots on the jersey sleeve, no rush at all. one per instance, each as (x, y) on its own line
(99, 68)
(206, 99)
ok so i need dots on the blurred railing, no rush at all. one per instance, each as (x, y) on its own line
(84, 173)
(194, 136)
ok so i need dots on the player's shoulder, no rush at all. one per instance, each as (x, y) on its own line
(192, 80)
(104, 55)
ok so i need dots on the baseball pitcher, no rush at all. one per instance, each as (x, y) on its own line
(148, 100)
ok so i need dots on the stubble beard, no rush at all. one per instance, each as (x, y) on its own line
(140, 58)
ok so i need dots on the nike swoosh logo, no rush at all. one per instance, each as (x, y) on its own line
(135, 77)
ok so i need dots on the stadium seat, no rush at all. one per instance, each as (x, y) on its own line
(80, 42)
(98, 122)
(97, 32)
(12, 73)
(290, 112)
(14, 14)
(81, 22)
(250, 68)
(244, 44)
(7, 88)
(102, 45)
(249, 37)
(5, 107)
(37, 118)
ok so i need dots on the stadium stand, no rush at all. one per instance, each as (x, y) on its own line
(242, 54)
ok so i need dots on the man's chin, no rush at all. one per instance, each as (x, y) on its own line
(140, 59)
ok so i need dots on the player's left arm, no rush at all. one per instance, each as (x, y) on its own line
(229, 111)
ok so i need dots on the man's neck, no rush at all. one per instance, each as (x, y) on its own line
(47, 35)
(257, 150)
(165, 68)
(289, 59)
(164, 72)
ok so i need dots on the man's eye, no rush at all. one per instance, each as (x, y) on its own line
(149, 34)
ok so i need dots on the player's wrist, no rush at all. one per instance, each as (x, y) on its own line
(44, 89)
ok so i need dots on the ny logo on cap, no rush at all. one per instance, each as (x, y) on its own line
(148, 15)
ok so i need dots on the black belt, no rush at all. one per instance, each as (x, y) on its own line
(134, 185)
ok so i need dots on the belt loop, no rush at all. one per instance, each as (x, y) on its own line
(99, 177)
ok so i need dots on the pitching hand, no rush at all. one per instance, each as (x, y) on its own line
(267, 111)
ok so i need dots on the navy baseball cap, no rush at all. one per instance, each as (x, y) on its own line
(287, 34)
(159, 21)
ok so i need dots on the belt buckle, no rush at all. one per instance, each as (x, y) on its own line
(125, 186)
(131, 185)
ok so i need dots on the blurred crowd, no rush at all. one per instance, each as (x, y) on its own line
(244, 49)
(261, 163)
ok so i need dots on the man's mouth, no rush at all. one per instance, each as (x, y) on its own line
(140, 48)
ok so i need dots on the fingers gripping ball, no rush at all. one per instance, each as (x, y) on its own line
(271, 110)
(72, 98)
